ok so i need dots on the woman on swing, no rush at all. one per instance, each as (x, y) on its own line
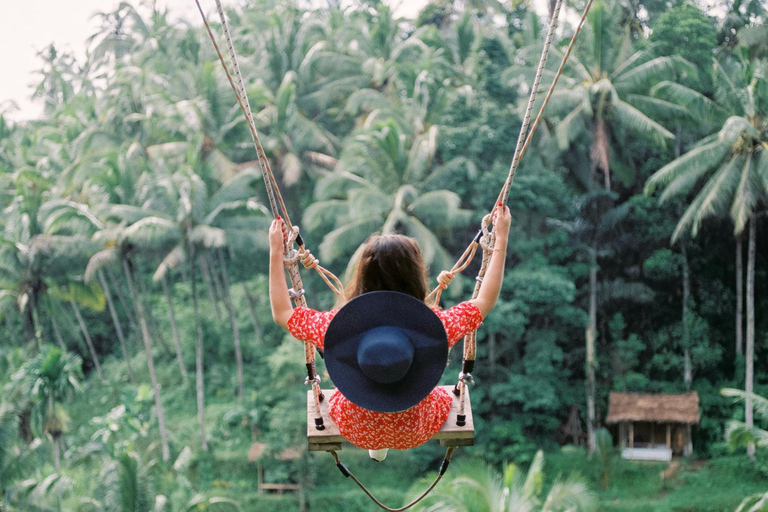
(386, 350)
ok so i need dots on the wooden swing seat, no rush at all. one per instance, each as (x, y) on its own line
(329, 438)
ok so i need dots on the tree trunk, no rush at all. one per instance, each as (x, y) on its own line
(739, 297)
(233, 320)
(209, 286)
(200, 385)
(87, 337)
(591, 335)
(29, 322)
(123, 302)
(174, 330)
(9, 325)
(687, 366)
(151, 322)
(218, 286)
(34, 322)
(252, 310)
(750, 356)
(116, 323)
(57, 331)
(150, 361)
(56, 454)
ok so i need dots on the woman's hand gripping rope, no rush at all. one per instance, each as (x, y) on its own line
(280, 239)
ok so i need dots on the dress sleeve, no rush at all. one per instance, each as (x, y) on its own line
(309, 325)
(460, 320)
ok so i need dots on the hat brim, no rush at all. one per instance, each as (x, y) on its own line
(393, 309)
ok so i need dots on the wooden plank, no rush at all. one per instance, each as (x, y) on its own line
(330, 439)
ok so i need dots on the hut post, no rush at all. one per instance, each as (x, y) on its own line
(631, 437)
(688, 440)
(622, 434)
(669, 436)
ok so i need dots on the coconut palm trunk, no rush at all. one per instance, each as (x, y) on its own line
(87, 337)
(29, 323)
(739, 297)
(56, 330)
(233, 319)
(175, 331)
(252, 311)
(121, 297)
(151, 323)
(750, 355)
(687, 365)
(116, 322)
(207, 281)
(200, 385)
(218, 285)
(150, 361)
(10, 327)
(591, 335)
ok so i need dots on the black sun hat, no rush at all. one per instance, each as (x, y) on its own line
(385, 351)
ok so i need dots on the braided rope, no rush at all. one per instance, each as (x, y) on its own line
(531, 100)
(310, 262)
(276, 202)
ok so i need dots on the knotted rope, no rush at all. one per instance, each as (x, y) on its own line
(310, 262)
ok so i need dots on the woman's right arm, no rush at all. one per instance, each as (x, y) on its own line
(279, 299)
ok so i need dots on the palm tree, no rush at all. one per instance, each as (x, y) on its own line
(381, 185)
(52, 375)
(480, 488)
(729, 171)
(607, 94)
(116, 255)
(199, 221)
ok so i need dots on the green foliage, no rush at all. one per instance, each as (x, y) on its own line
(374, 123)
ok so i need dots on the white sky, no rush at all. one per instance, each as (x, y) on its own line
(29, 26)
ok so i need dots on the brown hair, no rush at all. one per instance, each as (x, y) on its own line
(390, 263)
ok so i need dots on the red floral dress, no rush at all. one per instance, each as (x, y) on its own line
(376, 430)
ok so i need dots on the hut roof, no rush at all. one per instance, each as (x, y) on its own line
(661, 408)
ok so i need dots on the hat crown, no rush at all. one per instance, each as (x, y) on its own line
(385, 354)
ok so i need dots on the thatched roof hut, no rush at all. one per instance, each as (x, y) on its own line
(654, 408)
(654, 427)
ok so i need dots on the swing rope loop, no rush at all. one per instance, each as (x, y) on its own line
(348, 474)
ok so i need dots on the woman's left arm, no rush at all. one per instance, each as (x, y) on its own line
(494, 274)
(279, 299)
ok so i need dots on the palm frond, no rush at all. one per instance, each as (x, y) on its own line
(570, 127)
(208, 236)
(347, 238)
(660, 68)
(150, 233)
(173, 260)
(712, 199)
(759, 403)
(693, 101)
(636, 121)
(440, 209)
(681, 174)
(747, 195)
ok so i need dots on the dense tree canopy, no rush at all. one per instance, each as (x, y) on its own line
(133, 263)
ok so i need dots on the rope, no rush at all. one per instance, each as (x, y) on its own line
(276, 202)
(443, 468)
(311, 262)
(531, 99)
